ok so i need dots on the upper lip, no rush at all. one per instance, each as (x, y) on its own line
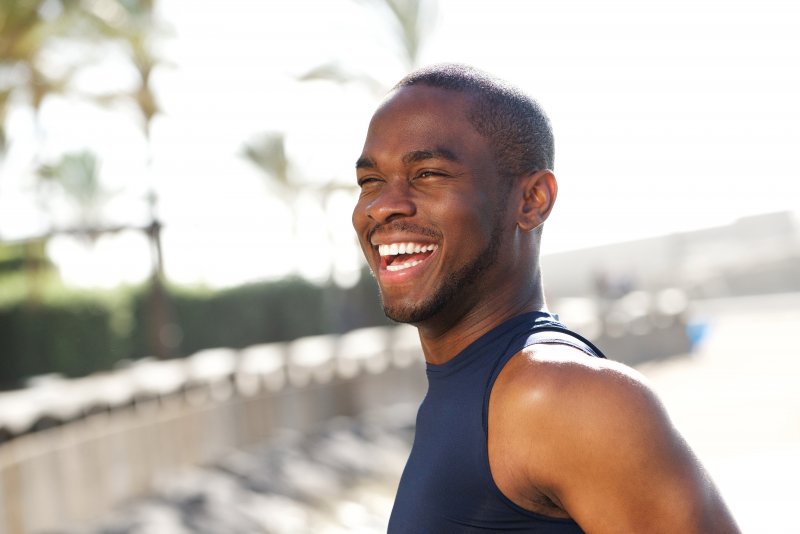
(402, 232)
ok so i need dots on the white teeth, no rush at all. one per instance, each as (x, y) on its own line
(402, 266)
(404, 248)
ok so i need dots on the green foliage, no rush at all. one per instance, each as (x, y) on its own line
(26, 28)
(72, 336)
(76, 333)
(25, 271)
(261, 313)
(15, 257)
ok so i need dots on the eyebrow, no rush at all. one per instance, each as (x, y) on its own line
(415, 156)
(365, 163)
(436, 153)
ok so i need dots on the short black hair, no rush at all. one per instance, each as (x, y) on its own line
(515, 125)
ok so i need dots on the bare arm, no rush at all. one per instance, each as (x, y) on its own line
(594, 438)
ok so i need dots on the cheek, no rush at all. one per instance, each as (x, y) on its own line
(472, 217)
(466, 229)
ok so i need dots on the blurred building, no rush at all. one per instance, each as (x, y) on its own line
(754, 255)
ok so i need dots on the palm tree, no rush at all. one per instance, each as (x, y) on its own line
(408, 21)
(136, 25)
(27, 27)
(5, 96)
(76, 178)
(22, 33)
(267, 152)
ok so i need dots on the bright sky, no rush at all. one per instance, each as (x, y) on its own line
(668, 116)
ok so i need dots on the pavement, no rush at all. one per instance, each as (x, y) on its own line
(736, 400)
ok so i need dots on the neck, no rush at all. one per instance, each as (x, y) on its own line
(444, 336)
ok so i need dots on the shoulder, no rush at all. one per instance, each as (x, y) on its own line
(547, 376)
(592, 434)
(563, 402)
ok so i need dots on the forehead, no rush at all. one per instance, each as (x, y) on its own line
(424, 100)
(417, 117)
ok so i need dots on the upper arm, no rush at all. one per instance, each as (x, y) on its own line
(607, 451)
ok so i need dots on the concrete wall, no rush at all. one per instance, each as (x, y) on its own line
(75, 471)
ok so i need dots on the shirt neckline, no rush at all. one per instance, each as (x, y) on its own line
(474, 349)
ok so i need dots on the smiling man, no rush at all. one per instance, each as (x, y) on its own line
(526, 427)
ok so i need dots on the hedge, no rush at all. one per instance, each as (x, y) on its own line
(78, 334)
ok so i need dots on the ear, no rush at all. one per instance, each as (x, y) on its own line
(539, 191)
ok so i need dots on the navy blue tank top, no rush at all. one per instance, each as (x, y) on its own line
(447, 485)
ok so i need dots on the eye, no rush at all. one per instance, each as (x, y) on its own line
(367, 180)
(427, 173)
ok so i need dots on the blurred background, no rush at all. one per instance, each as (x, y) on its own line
(189, 338)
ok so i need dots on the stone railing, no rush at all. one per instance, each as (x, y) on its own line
(70, 450)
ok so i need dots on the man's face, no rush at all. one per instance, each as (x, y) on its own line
(431, 209)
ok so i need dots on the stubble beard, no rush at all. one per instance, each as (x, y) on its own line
(454, 285)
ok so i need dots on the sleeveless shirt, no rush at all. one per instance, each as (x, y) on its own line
(447, 485)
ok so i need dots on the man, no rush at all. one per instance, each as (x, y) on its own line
(525, 427)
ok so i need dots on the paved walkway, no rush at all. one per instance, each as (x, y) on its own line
(737, 402)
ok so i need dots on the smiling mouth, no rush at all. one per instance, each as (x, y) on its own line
(400, 256)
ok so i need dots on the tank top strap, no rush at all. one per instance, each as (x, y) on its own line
(561, 335)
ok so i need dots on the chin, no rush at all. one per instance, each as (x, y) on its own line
(415, 313)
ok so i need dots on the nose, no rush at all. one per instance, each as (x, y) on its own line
(391, 202)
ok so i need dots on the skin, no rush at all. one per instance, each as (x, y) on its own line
(560, 424)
